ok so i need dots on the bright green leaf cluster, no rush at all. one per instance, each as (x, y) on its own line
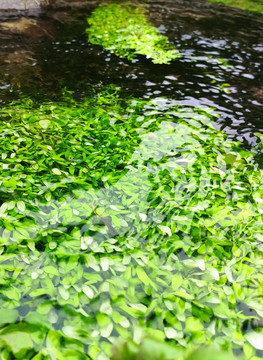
(151, 349)
(124, 29)
(126, 218)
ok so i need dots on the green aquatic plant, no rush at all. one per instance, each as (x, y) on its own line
(260, 137)
(126, 218)
(151, 349)
(124, 29)
(248, 5)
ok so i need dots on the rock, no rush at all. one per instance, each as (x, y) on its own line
(27, 26)
(70, 4)
(19, 4)
(19, 68)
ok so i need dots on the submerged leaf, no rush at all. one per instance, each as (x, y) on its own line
(124, 29)
(113, 226)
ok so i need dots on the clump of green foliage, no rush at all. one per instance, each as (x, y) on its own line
(151, 349)
(126, 219)
(124, 29)
(249, 5)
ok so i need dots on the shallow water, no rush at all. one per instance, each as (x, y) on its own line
(219, 47)
(87, 279)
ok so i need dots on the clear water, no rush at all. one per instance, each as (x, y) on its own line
(219, 47)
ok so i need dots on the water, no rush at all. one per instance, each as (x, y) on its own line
(215, 51)
(157, 230)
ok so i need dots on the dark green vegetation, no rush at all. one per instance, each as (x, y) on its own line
(126, 219)
(124, 30)
(249, 5)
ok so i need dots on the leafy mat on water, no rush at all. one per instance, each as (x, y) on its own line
(126, 218)
(124, 29)
(152, 349)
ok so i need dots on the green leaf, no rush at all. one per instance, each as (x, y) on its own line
(165, 229)
(51, 270)
(18, 341)
(44, 124)
(88, 291)
(255, 339)
(143, 276)
(56, 171)
(8, 316)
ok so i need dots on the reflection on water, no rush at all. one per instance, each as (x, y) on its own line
(215, 52)
(173, 245)
(219, 47)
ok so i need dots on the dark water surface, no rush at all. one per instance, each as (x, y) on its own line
(219, 45)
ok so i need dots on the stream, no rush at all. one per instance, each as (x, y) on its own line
(131, 192)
